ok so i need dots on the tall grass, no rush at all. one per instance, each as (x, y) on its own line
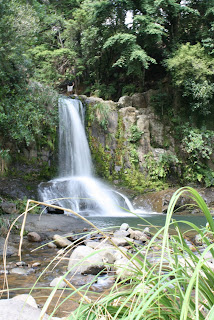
(178, 284)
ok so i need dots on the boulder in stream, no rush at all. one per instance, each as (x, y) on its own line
(19, 308)
(85, 260)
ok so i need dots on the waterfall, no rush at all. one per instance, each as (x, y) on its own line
(76, 188)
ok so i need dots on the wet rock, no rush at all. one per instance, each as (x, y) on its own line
(34, 237)
(51, 210)
(10, 249)
(56, 281)
(8, 207)
(86, 264)
(61, 242)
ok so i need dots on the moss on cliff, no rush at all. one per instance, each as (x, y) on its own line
(119, 161)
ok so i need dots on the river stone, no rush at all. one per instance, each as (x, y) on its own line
(8, 207)
(86, 265)
(198, 240)
(109, 252)
(10, 249)
(61, 242)
(57, 280)
(147, 231)
(80, 280)
(121, 233)
(51, 245)
(22, 271)
(124, 226)
(15, 309)
(121, 241)
(125, 268)
(34, 237)
(27, 299)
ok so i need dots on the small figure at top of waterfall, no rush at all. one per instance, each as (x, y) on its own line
(70, 88)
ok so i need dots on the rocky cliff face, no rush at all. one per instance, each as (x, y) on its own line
(124, 134)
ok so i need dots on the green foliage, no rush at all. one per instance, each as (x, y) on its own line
(102, 111)
(52, 66)
(102, 159)
(136, 134)
(198, 144)
(162, 102)
(162, 167)
(132, 57)
(128, 89)
(192, 71)
(30, 119)
(102, 90)
(138, 181)
(134, 157)
(5, 154)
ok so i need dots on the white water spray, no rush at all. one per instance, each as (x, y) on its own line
(76, 188)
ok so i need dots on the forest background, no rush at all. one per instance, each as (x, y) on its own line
(110, 49)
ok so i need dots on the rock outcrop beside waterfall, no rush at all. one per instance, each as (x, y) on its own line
(122, 134)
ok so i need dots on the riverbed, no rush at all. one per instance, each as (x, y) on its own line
(35, 261)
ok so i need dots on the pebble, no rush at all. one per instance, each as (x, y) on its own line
(21, 271)
(20, 263)
(61, 241)
(34, 237)
(36, 264)
(124, 227)
(51, 245)
(56, 281)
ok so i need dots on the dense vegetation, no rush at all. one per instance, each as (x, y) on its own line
(109, 48)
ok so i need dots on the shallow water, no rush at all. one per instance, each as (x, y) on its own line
(153, 219)
(44, 255)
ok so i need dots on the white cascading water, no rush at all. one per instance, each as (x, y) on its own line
(76, 188)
